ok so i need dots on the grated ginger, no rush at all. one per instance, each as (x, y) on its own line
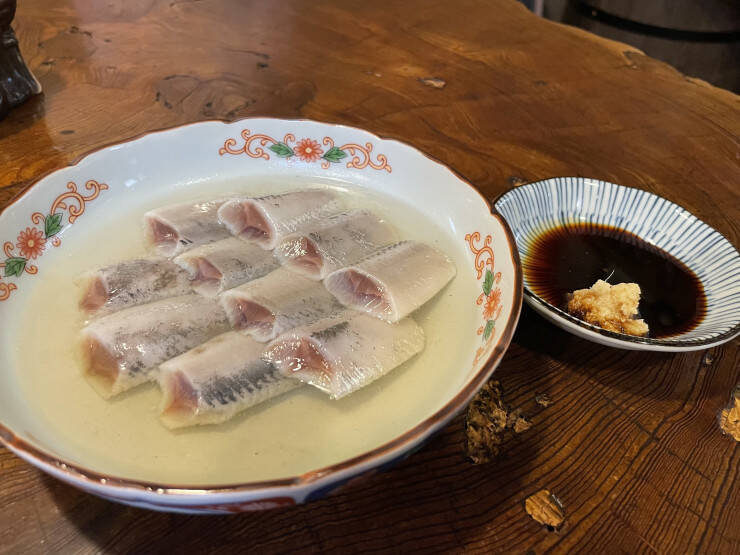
(611, 307)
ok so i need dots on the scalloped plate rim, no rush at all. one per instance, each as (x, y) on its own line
(596, 334)
(182, 495)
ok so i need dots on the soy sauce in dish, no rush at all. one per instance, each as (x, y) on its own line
(571, 257)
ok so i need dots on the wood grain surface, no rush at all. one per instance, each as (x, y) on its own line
(630, 443)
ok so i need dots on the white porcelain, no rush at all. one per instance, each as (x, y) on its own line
(536, 207)
(71, 203)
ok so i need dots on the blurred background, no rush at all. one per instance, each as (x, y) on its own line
(700, 38)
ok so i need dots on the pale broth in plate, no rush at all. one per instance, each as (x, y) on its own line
(289, 435)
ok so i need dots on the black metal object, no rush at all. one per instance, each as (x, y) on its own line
(586, 10)
(17, 84)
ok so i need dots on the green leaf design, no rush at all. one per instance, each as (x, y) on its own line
(281, 149)
(53, 224)
(489, 329)
(15, 266)
(488, 282)
(334, 154)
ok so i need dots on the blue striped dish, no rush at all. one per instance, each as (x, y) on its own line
(536, 207)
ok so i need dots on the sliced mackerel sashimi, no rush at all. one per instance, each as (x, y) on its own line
(334, 242)
(341, 355)
(222, 265)
(176, 228)
(216, 380)
(123, 349)
(130, 283)
(267, 220)
(393, 281)
(277, 302)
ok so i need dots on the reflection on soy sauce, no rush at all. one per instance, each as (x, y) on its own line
(575, 256)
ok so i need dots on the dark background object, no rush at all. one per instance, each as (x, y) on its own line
(700, 38)
(17, 83)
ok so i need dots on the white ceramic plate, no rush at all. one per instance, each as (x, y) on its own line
(536, 207)
(73, 212)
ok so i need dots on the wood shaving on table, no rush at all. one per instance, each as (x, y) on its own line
(545, 508)
(434, 82)
(517, 422)
(487, 422)
(729, 418)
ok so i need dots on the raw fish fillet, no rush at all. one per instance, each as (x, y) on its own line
(131, 283)
(212, 382)
(277, 302)
(334, 242)
(123, 349)
(341, 355)
(224, 264)
(267, 220)
(392, 282)
(179, 227)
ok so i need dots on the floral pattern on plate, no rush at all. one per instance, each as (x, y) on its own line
(307, 150)
(32, 241)
(490, 298)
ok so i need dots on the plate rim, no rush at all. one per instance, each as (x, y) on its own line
(620, 339)
(76, 473)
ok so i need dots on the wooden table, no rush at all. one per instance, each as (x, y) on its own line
(630, 443)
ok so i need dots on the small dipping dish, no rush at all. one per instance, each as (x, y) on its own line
(688, 271)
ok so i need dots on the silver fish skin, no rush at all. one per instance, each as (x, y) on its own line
(225, 264)
(130, 283)
(268, 219)
(334, 242)
(266, 307)
(124, 349)
(341, 355)
(178, 227)
(392, 282)
(213, 382)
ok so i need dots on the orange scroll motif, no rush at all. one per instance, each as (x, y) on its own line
(33, 240)
(481, 251)
(307, 150)
(490, 299)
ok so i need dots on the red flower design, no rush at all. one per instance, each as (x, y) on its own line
(493, 302)
(31, 243)
(308, 150)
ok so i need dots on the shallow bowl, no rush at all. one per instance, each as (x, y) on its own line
(534, 208)
(67, 208)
